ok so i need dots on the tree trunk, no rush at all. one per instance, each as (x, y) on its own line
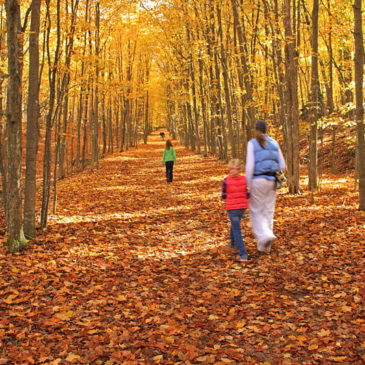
(47, 159)
(224, 62)
(95, 106)
(244, 72)
(314, 104)
(3, 173)
(359, 77)
(146, 105)
(32, 123)
(16, 240)
(291, 78)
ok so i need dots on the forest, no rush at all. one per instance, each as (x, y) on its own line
(101, 261)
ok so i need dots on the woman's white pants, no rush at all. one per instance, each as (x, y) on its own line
(262, 207)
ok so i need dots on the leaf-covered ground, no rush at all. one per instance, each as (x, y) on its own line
(135, 271)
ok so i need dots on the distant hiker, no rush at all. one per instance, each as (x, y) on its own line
(234, 191)
(264, 160)
(169, 157)
(162, 134)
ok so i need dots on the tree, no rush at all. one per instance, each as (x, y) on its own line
(291, 94)
(16, 240)
(32, 123)
(359, 77)
(52, 75)
(314, 102)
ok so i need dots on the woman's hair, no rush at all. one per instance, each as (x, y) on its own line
(168, 144)
(234, 166)
(262, 127)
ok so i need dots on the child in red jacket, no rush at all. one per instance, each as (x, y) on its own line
(234, 191)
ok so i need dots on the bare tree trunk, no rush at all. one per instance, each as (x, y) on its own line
(66, 82)
(195, 128)
(50, 116)
(104, 125)
(359, 77)
(203, 104)
(3, 173)
(313, 144)
(2, 126)
(95, 119)
(84, 141)
(224, 62)
(245, 72)
(291, 76)
(16, 240)
(146, 105)
(32, 123)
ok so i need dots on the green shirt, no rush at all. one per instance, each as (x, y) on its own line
(169, 155)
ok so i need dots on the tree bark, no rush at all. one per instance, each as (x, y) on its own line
(291, 78)
(314, 103)
(47, 159)
(359, 77)
(16, 240)
(95, 119)
(32, 123)
(227, 93)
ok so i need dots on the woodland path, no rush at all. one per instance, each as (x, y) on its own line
(133, 270)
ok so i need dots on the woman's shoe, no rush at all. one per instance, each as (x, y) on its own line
(242, 259)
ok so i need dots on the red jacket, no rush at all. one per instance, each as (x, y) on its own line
(234, 191)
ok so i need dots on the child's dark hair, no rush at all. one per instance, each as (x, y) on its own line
(168, 144)
(261, 126)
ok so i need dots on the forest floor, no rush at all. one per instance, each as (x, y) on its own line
(134, 270)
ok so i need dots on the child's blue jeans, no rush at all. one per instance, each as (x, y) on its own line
(236, 235)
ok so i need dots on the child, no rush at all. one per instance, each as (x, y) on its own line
(234, 191)
(169, 157)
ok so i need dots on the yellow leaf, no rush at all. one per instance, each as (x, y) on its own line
(324, 333)
(339, 358)
(158, 358)
(346, 308)
(71, 357)
(9, 299)
(170, 339)
(64, 316)
(235, 292)
(313, 347)
(240, 324)
(227, 361)
(202, 359)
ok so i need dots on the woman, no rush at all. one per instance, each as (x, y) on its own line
(264, 158)
(169, 157)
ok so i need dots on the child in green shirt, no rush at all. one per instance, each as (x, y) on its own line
(169, 157)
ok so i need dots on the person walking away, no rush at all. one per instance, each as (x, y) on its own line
(234, 192)
(169, 158)
(264, 159)
(162, 134)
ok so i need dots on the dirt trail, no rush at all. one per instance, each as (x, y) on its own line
(134, 270)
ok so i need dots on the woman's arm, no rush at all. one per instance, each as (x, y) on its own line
(250, 163)
(282, 164)
(224, 189)
(164, 154)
